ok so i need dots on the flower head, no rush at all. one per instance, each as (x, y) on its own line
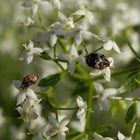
(27, 111)
(56, 128)
(101, 64)
(24, 93)
(30, 51)
(104, 95)
(72, 57)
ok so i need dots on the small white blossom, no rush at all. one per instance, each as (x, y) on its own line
(56, 128)
(106, 71)
(24, 93)
(27, 111)
(83, 11)
(72, 57)
(68, 23)
(30, 51)
(97, 136)
(105, 94)
(82, 110)
(32, 4)
(111, 45)
(80, 34)
(122, 137)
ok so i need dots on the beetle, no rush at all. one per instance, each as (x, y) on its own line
(97, 61)
(29, 80)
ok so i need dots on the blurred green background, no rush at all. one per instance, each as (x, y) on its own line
(13, 35)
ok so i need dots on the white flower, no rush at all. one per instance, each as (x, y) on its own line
(56, 128)
(32, 4)
(27, 111)
(30, 51)
(111, 45)
(122, 137)
(24, 93)
(96, 136)
(105, 94)
(80, 34)
(86, 13)
(68, 23)
(82, 110)
(72, 57)
(106, 71)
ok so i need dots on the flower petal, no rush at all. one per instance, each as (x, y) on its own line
(73, 51)
(80, 101)
(108, 45)
(36, 50)
(78, 39)
(64, 122)
(71, 67)
(53, 39)
(31, 95)
(20, 98)
(107, 74)
(28, 57)
(96, 73)
(115, 47)
(17, 84)
(121, 136)
(99, 88)
(33, 115)
(30, 45)
(111, 60)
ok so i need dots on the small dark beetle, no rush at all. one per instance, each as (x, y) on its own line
(28, 81)
(97, 61)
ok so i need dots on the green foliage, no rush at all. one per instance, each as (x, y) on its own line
(50, 80)
(131, 113)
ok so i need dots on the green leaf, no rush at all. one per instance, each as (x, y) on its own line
(134, 52)
(45, 56)
(50, 80)
(131, 113)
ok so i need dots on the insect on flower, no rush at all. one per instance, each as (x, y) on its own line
(101, 64)
(29, 80)
(97, 61)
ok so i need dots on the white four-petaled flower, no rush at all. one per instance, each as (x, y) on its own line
(30, 51)
(24, 93)
(104, 95)
(72, 57)
(27, 111)
(106, 71)
(111, 45)
(56, 128)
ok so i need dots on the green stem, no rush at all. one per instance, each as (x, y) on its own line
(124, 98)
(78, 136)
(98, 49)
(59, 108)
(134, 52)
(89, 111)
(60, 66)
(133, 129)
(85, 48)
(62, 45)
(54, 52)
